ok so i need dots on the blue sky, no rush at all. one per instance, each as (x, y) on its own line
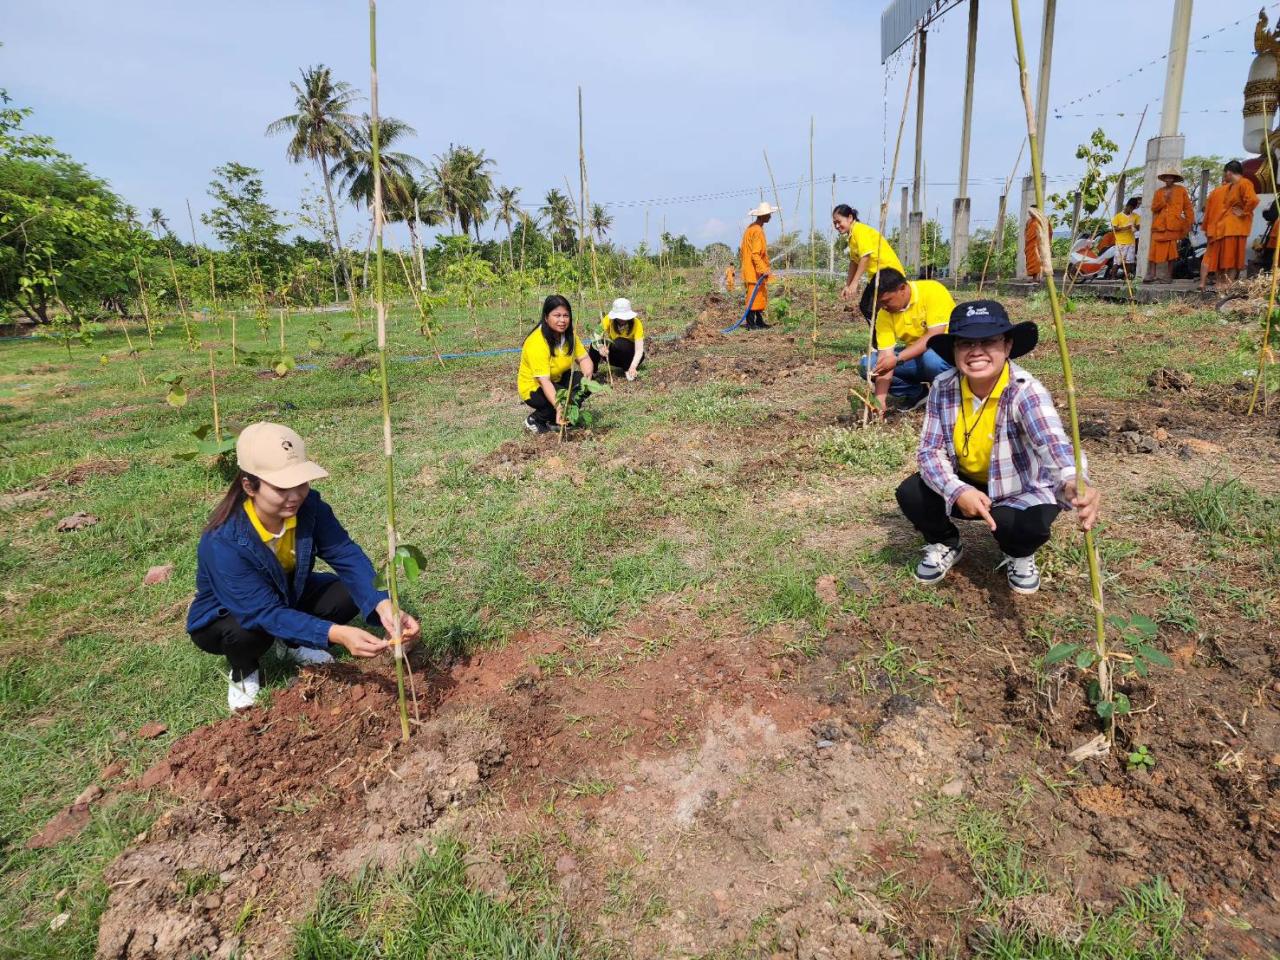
(680, 98)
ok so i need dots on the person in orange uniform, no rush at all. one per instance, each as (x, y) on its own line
(728, 278)
(1172, 217)
(1031, 245)
(1237, 219)
(755, 266)
(1211, 263)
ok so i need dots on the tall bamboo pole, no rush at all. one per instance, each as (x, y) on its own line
(782, 227)
(142, 301)
(1264, 350)
(213, 393)
(195, 245)
(1091, 551)
(813, 249)
(885, 197)
(388, 451)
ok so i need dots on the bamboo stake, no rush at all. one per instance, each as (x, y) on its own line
(195, 244)
(142, 300)
(213, 392)
(997, 239)
(813, 249)
(1091, 551)
(422, 310)
(782, 227)
(393, 586)
(182, 305)
(1259, 381)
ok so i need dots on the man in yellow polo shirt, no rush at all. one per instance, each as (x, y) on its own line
(911, 312)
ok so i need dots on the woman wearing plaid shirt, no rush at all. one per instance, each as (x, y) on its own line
(992, 448)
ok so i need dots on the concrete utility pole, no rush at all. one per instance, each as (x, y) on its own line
(917, 217)
(1042, 115)
(1166, 150)
(960, 206)
(1121, 186)
(904, 218)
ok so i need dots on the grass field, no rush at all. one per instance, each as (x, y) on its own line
(723, 486)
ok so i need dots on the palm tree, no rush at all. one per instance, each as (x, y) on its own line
(464, 186)
(355, 169)
(321, 127)
(508, 207)
(559, 213)
(601, 220)
(158, 222)
(411, 201)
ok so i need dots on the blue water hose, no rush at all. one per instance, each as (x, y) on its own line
(750, 303)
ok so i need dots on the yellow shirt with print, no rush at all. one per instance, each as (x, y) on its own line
(975, 433)
(537, 360)
(1124, 224)
(282, 544)
(611, 329)
(930, 306)
(867, 241)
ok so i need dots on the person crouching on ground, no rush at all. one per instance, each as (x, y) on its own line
(255, 576)
(622, 346)
(546, 365)
(992, 448)
(911, 313)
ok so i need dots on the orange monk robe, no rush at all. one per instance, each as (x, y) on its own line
(1213, 210)
(728, 277)
(1235, 227)
(1031, 242)
(755, 264)
(1171, 220)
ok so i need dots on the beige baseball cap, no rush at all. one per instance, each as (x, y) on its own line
(276, 454)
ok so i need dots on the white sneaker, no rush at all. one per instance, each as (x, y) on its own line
(242, 694)
(303, 656)
(938, 559)
(1022, 573)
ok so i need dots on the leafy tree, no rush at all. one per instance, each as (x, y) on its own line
(679, 251)
(63, 233)
(410, 200)
(1095, 185)
(461, 179)
(321, 126)
(245, 223)
(355, 169)
(508, 209)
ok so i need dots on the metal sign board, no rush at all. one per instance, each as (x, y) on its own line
(900, 18)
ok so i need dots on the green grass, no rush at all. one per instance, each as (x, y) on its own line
(425, 910)
(87, 654)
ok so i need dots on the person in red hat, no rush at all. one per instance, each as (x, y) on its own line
(255, 576)
(992, 449)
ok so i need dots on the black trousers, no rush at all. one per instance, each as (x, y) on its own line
(328, 600)
(621, 353)
(543, 410)
(1020, 533)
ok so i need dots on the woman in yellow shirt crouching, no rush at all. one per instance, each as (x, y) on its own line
(546, 365)
(622, 346)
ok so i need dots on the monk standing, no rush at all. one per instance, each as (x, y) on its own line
(1172, 217)
(1031, 246)
(1211, 263)
(1237, 219)
(755, 267)
(728, 278)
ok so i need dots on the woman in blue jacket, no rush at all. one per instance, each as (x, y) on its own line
(255, 579)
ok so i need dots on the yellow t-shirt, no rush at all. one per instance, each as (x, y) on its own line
(930, 306)
(867, 241)
(536, 360)
(1124, 224)
(611, 333)
(282, 544)
(978, 420)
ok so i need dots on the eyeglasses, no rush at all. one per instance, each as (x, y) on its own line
(988, 344)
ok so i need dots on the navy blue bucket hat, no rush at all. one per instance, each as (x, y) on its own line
(978, 320)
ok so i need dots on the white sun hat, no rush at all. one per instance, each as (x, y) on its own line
(763, 210)
(621, 310)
